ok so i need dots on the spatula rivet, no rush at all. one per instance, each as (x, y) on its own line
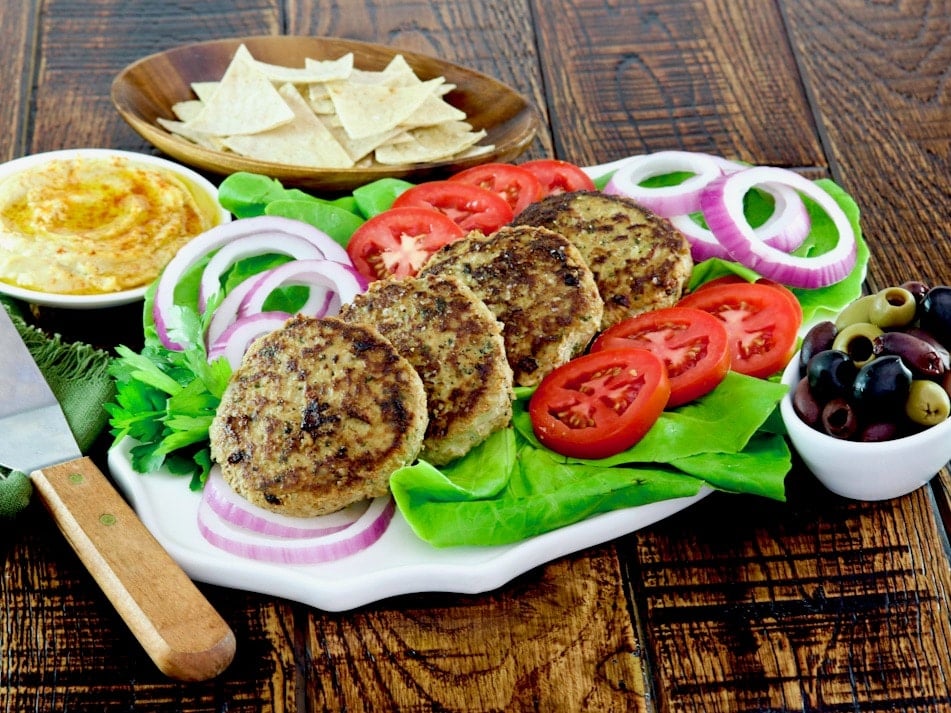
(107, 519)
(76, 478)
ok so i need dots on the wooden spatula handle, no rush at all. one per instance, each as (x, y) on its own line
(182, 633)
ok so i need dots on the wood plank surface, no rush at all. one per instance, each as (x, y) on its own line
(737, 604)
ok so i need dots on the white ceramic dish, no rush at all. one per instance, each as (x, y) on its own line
(110, 299)
(866, 471)
(398, 563)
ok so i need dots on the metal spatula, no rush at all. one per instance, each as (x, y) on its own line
(182, 633)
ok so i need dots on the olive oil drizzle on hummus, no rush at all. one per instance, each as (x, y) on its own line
(95, 225)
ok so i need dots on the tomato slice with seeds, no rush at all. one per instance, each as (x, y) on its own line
(399, 241)
(558, 176)
(470, 207)
(518, 187)
(693, 344)
(736, 279)
(599, 404)
(762, 324)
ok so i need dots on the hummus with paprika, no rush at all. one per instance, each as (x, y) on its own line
(94, 225)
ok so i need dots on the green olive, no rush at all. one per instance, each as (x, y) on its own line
(892, 307)
(856, 340)
(928, 403)
(855, 311)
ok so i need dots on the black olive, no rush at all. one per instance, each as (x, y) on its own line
(830, 374)
(936, 314)
(838, 419)
(939, 348)
(879, 431)
(917, 288)
(919, 356)
(817, 339)
(805, 404)
(881, 386)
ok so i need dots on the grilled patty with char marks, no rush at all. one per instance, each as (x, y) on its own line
(639, 260)
(537, 284)
(455, 344)
(317, 416)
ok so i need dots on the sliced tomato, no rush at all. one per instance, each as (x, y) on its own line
(761, 322)
(559, 176)
(693, 344)
(514, 185)
(470, 207)
(399, 241)
(785, 292)
(599, 404)
(733, 279)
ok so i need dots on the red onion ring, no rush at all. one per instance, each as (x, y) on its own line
(237, 511)
(366, 530)
(665, 200)
(722, 204)
(226, 312)
(331, 284)
(249, 246)
(325, 277)
(703, 244)
(215, 238)
(788, 226)
(235, 340)
(785, 229)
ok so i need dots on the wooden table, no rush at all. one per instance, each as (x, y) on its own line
(738, 604)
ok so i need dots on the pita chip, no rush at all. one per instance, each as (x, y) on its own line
(305, 141)
(245, 102)
(370, 109)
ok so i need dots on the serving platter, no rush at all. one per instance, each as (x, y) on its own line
(398, 563)
(148, 88)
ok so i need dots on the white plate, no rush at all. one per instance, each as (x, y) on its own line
(398, 563)
(109, 299)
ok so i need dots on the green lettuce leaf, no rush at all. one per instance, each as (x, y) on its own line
(511, 488)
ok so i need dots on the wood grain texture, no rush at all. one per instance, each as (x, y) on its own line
(84, 45)
(701, 76)
(881, 79)
(66, 649)
(805, 606)
(738, 604)
(556, 639)
(18, 21)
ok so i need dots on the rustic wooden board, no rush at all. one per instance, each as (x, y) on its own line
(736, 604)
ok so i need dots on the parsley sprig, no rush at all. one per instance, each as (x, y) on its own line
(166, 399)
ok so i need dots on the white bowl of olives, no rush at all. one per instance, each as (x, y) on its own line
(870, 394)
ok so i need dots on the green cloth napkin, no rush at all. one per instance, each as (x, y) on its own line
(77, 373)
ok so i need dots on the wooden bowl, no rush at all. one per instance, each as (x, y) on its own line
(147, 89)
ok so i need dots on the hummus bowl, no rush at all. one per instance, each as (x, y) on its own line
(91, 228)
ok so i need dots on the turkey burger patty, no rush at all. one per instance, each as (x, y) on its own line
(455, 344)
(318, 416)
